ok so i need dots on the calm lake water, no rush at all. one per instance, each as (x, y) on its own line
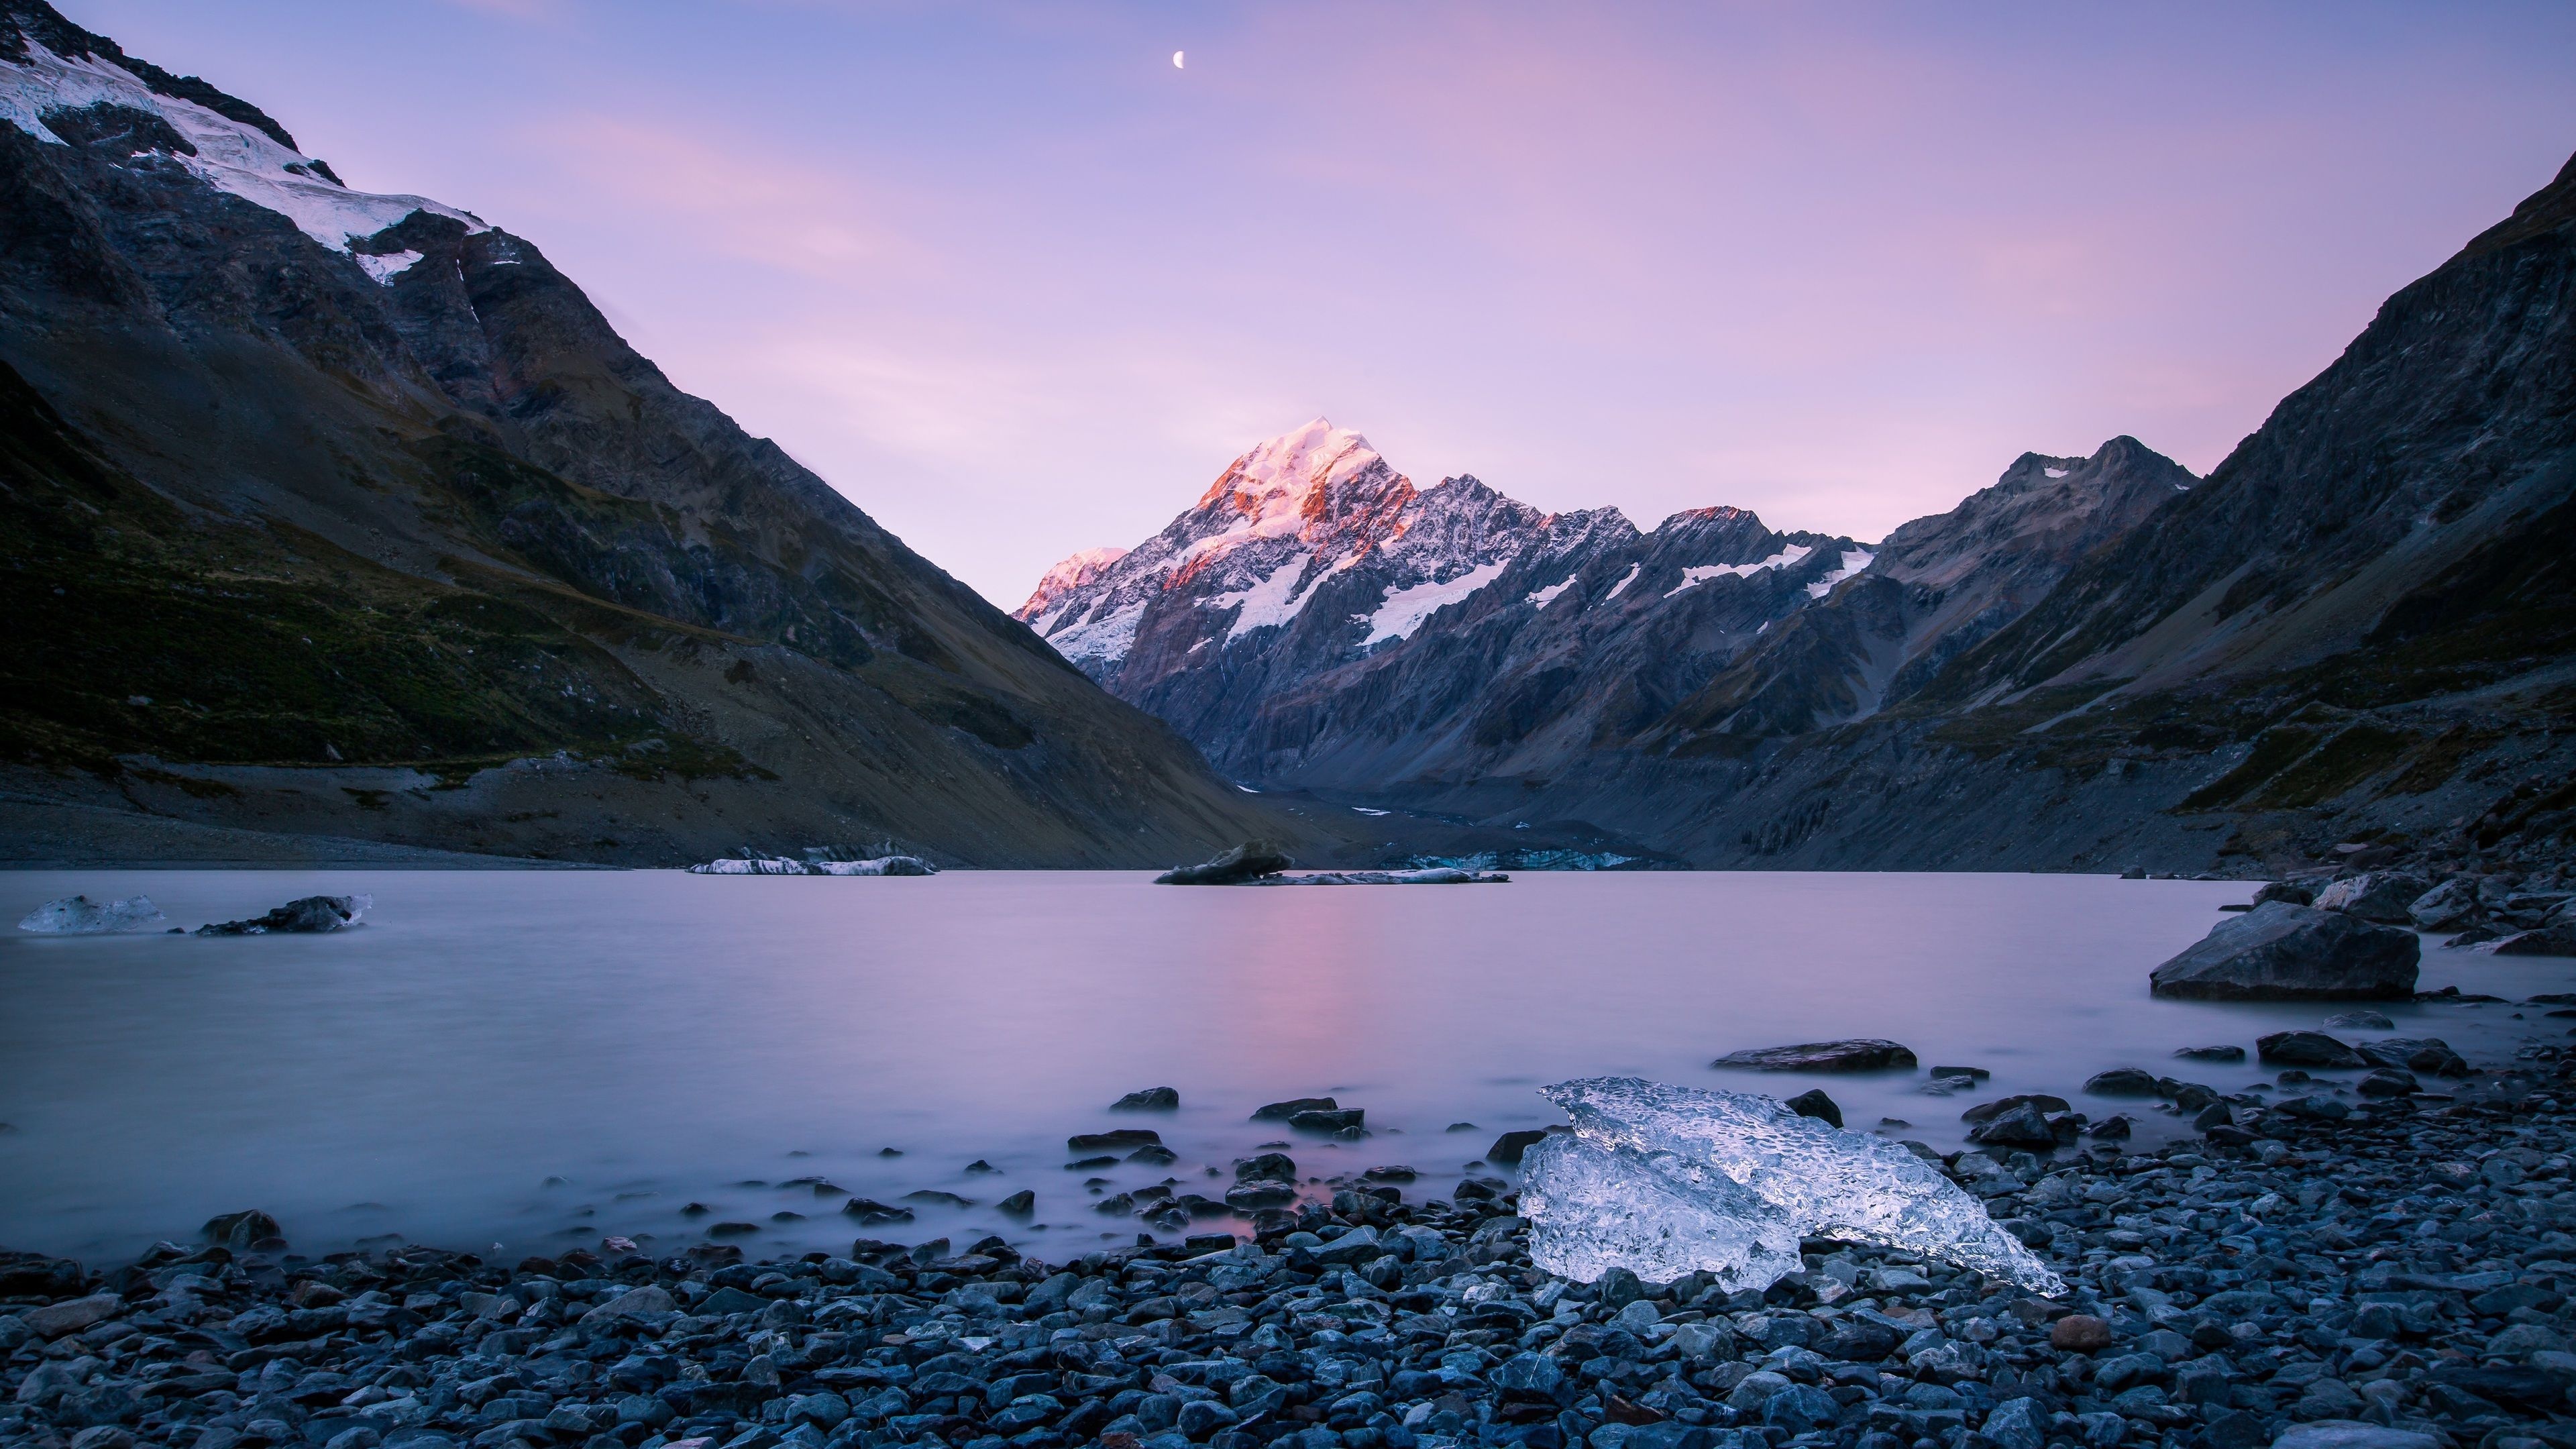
(538, 1059)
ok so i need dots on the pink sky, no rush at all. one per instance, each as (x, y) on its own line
(1018, 286)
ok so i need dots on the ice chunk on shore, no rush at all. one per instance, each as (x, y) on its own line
(81, 916)
(1665, 1180)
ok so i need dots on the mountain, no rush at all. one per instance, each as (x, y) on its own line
(1938, 586)
(343, 514)
(2355, 639)
(1315, 620)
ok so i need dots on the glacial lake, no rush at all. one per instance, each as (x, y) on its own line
(538, 1059)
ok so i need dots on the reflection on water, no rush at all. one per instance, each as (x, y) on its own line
(540, 1058)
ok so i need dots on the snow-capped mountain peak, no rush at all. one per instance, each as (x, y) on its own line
(1292, 476)
(1074, 571)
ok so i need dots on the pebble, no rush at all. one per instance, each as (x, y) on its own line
(2397, 1276)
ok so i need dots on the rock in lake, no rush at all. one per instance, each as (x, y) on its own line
(81, 916)
(1116, 1139)
(1857, 1055)
(243, 1230)
(1814, 1103)
(2307, 1049)
(2212, 1053)
(1507, 1149)
(2287, 892)
(2362, 1020)
(2280, 952)
(1322, 1119)
(2379, 895)
(2040, 1101)
(1282, 1111)
(1152, 1099)
(310, 916)
(2124, 1082)
(1249, 861)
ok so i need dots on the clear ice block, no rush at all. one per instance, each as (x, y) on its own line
(1664, 1180)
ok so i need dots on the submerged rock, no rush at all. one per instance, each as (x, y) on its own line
(310, 916)
(2281, 952)
(1249, 861)
(1661, 1181)
(2212, 1053)
(1856, 1055)
(81, 916)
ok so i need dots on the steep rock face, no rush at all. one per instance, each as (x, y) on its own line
(1938, 586)
(330, 512)
(2359, 630)
(1318, 620)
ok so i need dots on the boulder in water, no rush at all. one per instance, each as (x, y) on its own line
(1282, 1111)
(311, 915)
(1152, 1099)
(2378, 895)
(2122, 1082)
(2287, 892)
(1857, 1055)
(2307, 1049)
(1814, 1103)
(247, 1229)
(81, 916)
(2282, 952)
(1249, 861)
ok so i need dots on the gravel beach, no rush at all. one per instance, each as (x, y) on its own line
(2330, 1270)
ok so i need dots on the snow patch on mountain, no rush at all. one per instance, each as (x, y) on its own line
(229, 156)
(1625, 580)
(1854, 560)
(1546, 596)
(1271, 603)
(1699, 574)
(1405, 609)
(388, 266)
(1106, 639)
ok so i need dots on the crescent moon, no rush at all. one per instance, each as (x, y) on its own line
(1176, 61)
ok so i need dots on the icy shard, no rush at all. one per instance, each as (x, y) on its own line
(81, 916)
(1665, 1180)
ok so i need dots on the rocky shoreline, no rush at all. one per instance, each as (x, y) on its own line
(2367, 1272)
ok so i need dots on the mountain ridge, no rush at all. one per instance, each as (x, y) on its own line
(338, 514)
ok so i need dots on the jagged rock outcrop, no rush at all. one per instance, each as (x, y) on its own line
(329, 512)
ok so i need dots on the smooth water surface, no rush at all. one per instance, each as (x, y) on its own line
(538, 1059)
